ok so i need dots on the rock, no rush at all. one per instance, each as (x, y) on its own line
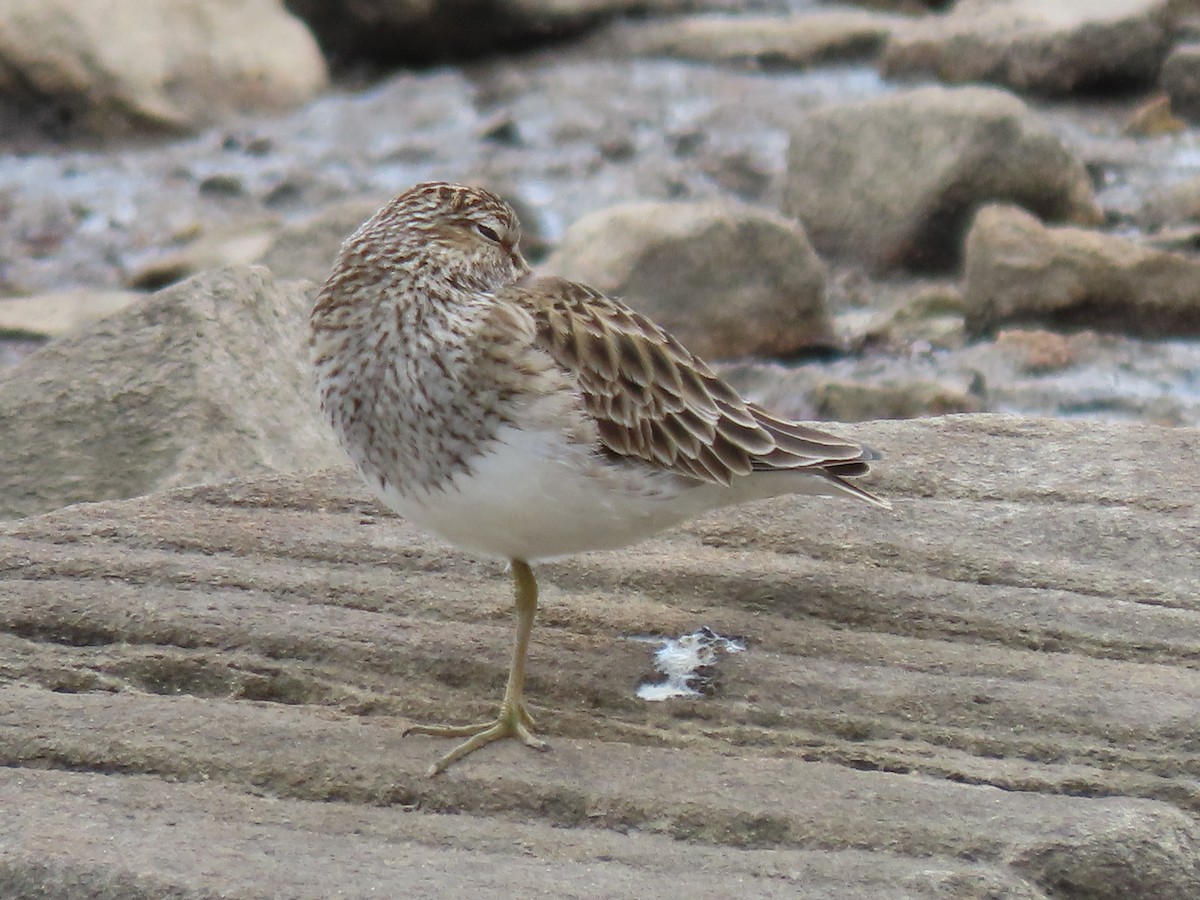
(1044, 48)
(1153, 118)
(931, 317)
(1019, 272)
(903, 6)
(850, 401)
(154, 65)
(1037, 351)
(307, 249)
(206, 380)
(1171, 206)
(893, 181)
(791, 41)
(408, 31)
(54, 315)
(727, 280)
(201, 248)
(1180, 79)
(986, 693)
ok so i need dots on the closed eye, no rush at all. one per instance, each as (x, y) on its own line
(488, 233)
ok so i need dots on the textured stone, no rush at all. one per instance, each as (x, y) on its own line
(205, 380)
(989, 692)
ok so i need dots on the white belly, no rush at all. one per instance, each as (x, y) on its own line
(534, 497)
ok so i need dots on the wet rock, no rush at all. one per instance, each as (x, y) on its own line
(727, 280)
(154, 65)
(1020, 272)
(1044, 48)
(1180, 78)
(387, 31)
(794, 41)
(989, 692)
(203, 381)
(54, 315)
(893, 181)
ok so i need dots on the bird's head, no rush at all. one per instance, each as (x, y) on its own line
(466, 235)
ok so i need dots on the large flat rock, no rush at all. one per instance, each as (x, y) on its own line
(990, 691)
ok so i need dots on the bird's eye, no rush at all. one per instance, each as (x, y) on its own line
(488, 233)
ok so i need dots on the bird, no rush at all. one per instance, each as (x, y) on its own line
(527, 417)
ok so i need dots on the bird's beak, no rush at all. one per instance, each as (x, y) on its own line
(519, 261)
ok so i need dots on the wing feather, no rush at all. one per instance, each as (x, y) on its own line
(654, 400)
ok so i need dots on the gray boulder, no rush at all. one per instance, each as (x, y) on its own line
(892, 182)
(1034, 46)
(727, 280)
(205, 380)
(392, 31)
(766, 41)
(1180, 79)
(154, 65)
(1019, 272)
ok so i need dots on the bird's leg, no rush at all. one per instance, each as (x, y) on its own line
(514, 719)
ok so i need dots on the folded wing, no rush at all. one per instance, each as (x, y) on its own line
(654, 400)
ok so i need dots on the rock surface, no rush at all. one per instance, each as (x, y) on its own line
(154, 65)
(893, 181)
(988, 692)
(1031, 45)
(726, 280)
(1020, 272)
(767, 41)
(307, 249)
(408, 31)
(205, 380)
(1180, 79)
(58, 314)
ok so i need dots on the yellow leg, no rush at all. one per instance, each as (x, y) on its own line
(514, 719)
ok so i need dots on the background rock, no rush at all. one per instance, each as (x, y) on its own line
(307, 249)
(408, 31)
(1180, 78)
(206, 380)
(151, 65)
(55, 315)
(800, 39)
(1020, 272)
(892, 182)
(726, 280)
(848, 401)
(988, 692)
(1030, 45)
(1171, 205)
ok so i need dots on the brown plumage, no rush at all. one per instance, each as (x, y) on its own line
(655, 401)
(531, 417)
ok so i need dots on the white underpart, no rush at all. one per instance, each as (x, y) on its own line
(534, 496)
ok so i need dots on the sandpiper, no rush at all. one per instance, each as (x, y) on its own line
(523, 417)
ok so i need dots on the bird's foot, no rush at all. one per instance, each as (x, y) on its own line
(513, 721)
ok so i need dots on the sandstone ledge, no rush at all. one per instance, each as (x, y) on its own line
(989, 691)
